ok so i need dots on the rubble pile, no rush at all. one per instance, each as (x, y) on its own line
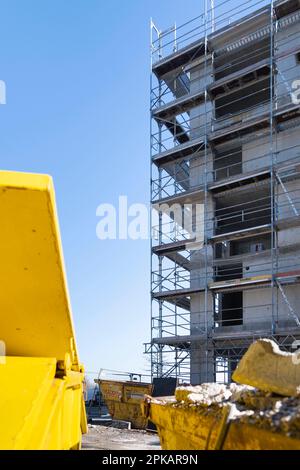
(267, 395)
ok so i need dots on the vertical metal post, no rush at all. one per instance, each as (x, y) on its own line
(274, 159)
(212, 7)
(272, 176)
(160, 225)
(205, 188)
(159, 359)
(151, 221)
(175, 38)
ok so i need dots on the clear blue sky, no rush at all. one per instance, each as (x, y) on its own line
(77, 75)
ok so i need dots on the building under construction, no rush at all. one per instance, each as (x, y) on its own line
(225, 138)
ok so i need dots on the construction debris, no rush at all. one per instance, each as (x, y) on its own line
(235, 416)
(208, 393)
(268, 368)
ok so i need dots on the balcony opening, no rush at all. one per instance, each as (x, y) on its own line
(233, 249)
(228, 309)
(241, 210)
(243, 99)
(253, 246)
(228, 163)
(222, 250)
(241, 58)
(228, 272)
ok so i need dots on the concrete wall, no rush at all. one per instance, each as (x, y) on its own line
(288, 237)
(257, 266)
(202, 364)
(198, 275)
(256, 153)
(197, 168)
(257, 309)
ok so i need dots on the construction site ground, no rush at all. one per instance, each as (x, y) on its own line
(110, 438)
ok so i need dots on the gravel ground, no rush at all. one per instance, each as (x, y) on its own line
(109, 438)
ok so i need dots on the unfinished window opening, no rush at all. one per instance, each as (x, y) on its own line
(285, 8)
(228, 309)
(241, 58)
(242, 210)
(228, 163)
(244, 98)
(235, 248)
(228, 272)
(252, 246)
(298, 58)
(222, 250)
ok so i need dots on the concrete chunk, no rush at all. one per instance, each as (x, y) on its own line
(266, 367)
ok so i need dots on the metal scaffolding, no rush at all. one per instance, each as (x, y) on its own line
(225, 173)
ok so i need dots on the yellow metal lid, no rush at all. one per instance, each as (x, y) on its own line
(35, 311)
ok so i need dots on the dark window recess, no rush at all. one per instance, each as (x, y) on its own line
(226, 64)
(243, 99)
(222, 250)
(298, 57)
(257, 247)
(226, 273)
(226, 249)
(227, 164)
(244, 215)
(254, 246)
(285, 8)
(230, 309)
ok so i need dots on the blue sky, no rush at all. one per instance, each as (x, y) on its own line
(77, 76)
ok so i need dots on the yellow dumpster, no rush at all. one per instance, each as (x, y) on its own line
(195, 427)
(124, 399)
(262, 412)
(41, 399)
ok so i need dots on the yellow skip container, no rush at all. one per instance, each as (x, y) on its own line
(259, 412)
(41, 399)
(182, 427)
(124, 399)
